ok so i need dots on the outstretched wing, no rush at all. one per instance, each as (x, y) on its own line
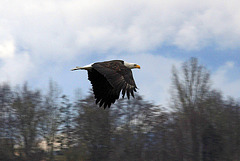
(104, 93)
(119, 76)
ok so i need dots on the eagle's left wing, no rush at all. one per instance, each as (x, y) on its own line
(119, 76)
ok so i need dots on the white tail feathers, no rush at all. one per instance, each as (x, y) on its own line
(77, 68)
(87, 67)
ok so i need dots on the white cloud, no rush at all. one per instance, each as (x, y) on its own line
(14, 68)
(6, 49)
(69, 28)
(227, 79)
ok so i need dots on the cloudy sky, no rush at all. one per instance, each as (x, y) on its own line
(42, 40)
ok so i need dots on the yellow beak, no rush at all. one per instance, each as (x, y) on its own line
(137, 67)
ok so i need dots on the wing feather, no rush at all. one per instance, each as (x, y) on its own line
(109, 79)
(104, 93)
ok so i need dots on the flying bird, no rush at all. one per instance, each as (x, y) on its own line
(109, 79)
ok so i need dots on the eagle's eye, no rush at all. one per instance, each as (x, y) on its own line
(135, 64)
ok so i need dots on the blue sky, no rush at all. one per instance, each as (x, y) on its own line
(42, 40)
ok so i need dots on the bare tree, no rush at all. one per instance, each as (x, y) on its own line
(28, 111)
(190, 91)
(51, 121)
(7, 123)
(67, 116)
(93, 129)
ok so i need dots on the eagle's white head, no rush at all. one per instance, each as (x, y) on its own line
(131, 65)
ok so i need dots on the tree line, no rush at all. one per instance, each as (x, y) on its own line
(199, 125)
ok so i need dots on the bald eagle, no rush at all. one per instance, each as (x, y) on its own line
(109, 78)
